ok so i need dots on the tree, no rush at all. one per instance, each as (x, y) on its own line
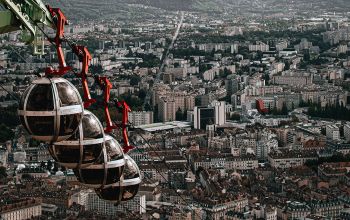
(179, 115)
(275, 110)
(130, 53)
(9, 117)
(134, 81)
(306, 56)
(5, 133)
(303, 65)
(3, 173)
(266, 77)
(235, 117)
(148, 107)
(286, 65)
(49, 165)
(284, 109)
(184, 117)
(96, 69)
(155, 113)
(55, 167)
(142, 94)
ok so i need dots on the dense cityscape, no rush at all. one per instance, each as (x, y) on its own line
(239, 110)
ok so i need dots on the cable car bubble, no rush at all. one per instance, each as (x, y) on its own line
(84, 147)
(127, 188)
(107, 170)
(51, 109)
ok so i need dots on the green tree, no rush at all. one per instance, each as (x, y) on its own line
(266, 77)
(179, 115)
(55, 167)
(49, 165)
(184, 117)
(286, 65)
(306, 57)
(284, 110)
(155, 113)
(134, 81)
(5, 133)
(148, 107)
(96, 69)
(275, 110)
(3, 173)
(142, 94)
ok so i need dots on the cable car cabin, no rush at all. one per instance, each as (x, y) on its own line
(84, 147)
(107, 170)
(127, 188)
(51, 109)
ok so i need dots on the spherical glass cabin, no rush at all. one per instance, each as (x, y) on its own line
(51, 109)
(84, 147)
(107, 170)
(127, 188)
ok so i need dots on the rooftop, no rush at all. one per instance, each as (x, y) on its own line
(164, 126)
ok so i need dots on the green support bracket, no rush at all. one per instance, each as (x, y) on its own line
(8, 22)
(25, 15)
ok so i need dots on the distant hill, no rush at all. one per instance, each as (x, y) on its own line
(105, 9)
(114, 9)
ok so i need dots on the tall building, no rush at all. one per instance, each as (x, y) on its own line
(332, 132)
(141, 118)
(234, 48)
(122, 44)
(212, 115)
(203, 116)
(347, 131)
(183, 101)
(281, 45)
(342, 48)
(101, 45)
(148, 45)
(232, 84)
(262, 150)
(167, 110)
(220, 112)
(206, 99)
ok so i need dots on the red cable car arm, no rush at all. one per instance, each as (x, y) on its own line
(85, 58)
(82, 52)
(60, 21)
(125, 120)
(106, 86)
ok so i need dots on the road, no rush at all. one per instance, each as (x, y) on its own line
(162, 65)
(171, 46)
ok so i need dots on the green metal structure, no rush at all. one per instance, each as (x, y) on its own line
(26, 15)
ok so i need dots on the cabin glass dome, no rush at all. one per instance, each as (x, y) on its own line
(51, 109)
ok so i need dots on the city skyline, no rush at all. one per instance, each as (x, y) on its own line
(175, 110)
